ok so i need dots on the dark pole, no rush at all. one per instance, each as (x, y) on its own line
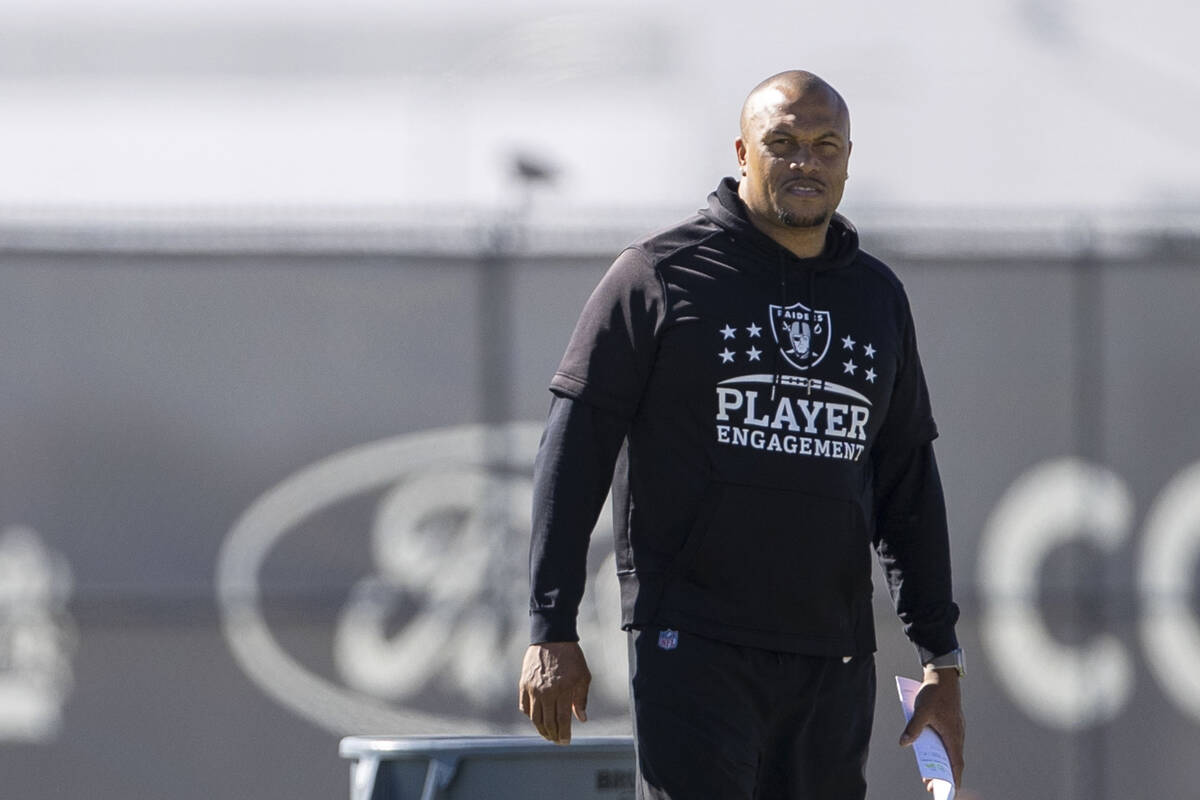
(505, 241)
(505, 238)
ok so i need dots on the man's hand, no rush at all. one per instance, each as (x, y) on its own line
(939, 706)
(554, 682)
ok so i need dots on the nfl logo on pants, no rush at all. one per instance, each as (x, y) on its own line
(668, 639)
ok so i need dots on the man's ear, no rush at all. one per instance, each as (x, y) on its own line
(740, 147)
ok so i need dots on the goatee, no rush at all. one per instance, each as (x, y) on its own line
(792, 220)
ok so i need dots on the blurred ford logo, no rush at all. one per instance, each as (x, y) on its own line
(446, 603)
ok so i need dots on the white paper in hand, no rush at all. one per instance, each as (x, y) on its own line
(932, 760)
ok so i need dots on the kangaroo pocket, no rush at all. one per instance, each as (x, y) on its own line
(774, 561)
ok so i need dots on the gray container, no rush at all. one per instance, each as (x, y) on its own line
(489, 768)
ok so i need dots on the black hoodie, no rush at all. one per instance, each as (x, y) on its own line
(775, 423)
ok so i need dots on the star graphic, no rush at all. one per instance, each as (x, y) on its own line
(754, 353)
(869, 350)
(754, 330)
(870, 376)
(726, 356)
(849, 367)
(728, 331)
(847, 343)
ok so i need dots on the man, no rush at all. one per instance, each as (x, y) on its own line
(754, 377)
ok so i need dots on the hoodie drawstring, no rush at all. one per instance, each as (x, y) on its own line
(810, 300)
(782, 304)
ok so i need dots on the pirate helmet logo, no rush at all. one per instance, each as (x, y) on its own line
(803, 335)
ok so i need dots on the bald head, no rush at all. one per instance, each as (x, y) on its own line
(786, 88)
(793, 152)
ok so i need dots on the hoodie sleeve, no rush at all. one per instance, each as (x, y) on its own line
(912, 542)
(909, 422)
(571, 477)
(911, 532)
(598, 387)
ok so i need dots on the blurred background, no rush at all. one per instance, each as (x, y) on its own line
(282, 285)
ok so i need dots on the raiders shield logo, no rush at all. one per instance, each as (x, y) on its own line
(803, 335)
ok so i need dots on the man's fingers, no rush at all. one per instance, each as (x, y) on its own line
(939, 708)
(912, 730)
(538, 716)
(562, 717)
(579, 702)
(956, 766)
(554, 682)
(952, 736)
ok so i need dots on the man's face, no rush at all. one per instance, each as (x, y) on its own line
(794, 151)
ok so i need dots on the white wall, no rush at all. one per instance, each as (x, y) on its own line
(1010, 105)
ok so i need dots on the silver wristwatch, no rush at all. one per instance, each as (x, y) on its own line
(952, 659)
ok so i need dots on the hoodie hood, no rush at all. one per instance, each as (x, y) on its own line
(727, 210)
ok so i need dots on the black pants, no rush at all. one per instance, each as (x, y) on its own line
(715, 721)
